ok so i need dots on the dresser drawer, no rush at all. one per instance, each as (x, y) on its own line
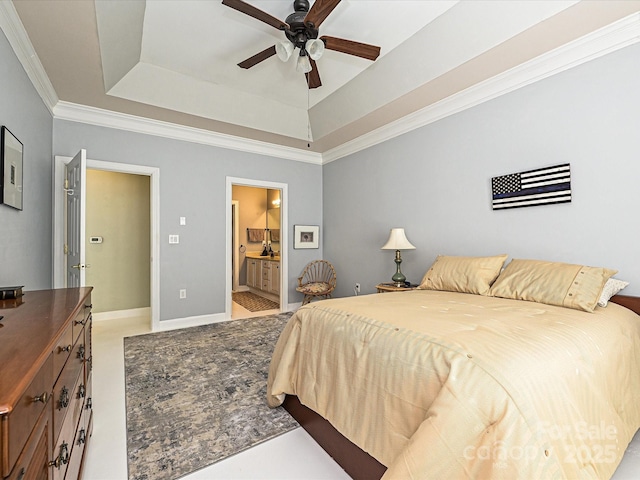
(17, 426)
(81, 319)
(33, 462)
(61, 351)
(77, 450)
(62, 449)
(65, 389)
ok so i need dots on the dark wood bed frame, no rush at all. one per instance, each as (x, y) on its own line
(358, 464)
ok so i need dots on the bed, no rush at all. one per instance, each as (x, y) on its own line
(447, 384)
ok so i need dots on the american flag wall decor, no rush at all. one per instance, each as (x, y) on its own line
(542, 186)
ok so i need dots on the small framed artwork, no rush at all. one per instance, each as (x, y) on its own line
(306, 236)
(10, 169)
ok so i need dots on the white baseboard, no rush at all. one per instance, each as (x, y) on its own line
(196, 321)
(133, 312)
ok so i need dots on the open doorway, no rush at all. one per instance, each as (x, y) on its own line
(256, 247)
(59, 265)
(256, 250)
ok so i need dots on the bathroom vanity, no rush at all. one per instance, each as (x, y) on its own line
(263, 275)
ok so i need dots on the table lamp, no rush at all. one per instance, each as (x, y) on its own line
(398, 241)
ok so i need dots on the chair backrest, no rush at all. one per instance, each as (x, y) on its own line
(319, 271)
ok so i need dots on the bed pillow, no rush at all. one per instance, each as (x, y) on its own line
(553, 283)
(463, 274)
(611, 288)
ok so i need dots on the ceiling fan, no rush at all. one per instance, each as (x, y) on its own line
(301, 31)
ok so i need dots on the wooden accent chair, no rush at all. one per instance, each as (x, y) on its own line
(318, 280)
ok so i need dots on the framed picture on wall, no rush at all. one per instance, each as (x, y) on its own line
(10, 169)
(306, 236)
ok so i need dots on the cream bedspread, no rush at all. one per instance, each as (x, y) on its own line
(448, 385)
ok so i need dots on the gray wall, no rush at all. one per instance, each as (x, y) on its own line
(25, 236)
(435, 181)
(193, 185)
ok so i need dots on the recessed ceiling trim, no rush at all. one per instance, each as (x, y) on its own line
(608, 39)
(16, 34)
(105, 118)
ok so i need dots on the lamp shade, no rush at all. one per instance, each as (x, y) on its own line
(303, 65)
(315, 48)
(397, 241)
(284, 50)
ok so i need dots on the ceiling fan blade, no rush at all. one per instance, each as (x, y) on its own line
(313, 77)
(364, 50)
(319, 11)
(256, 13)
(258, 57)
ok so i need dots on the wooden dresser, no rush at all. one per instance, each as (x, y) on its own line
(45, 384)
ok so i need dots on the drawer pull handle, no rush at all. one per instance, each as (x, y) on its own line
(89, 404)
(62, 458)
(64, 398)
(79, 322)
(21, 474)
(89, 306)
(64, 349)
(81, 391)
(43, 397)
(82, 436)
(81, 352)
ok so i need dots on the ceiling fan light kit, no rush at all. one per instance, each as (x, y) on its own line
(304, 65)
(284, 50)
(301, 29)
(315, 48)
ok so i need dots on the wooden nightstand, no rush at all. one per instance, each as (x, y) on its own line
(390, 287)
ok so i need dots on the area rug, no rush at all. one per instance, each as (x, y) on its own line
(198, 395)
(253, 302)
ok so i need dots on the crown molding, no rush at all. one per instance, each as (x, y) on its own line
(12, 27)
(608, 39)
(122, 121)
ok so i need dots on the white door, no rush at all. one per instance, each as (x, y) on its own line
(75, 180)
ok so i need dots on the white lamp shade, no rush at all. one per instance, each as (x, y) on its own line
(284, 50)
(304, 65)
(398, 241)
(315, 48)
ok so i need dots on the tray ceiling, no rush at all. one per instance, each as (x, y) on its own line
(176, 61)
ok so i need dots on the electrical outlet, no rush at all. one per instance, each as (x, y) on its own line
(358, 287)
(183, 293)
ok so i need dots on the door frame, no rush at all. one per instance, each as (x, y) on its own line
(235, 249)
(59, 271)
(284, 238)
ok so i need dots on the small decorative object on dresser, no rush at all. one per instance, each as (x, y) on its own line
(45, 385)
(10, 292)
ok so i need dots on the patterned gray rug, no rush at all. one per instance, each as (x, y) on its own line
(197, 395)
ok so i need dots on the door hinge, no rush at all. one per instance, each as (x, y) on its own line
(66, 249)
